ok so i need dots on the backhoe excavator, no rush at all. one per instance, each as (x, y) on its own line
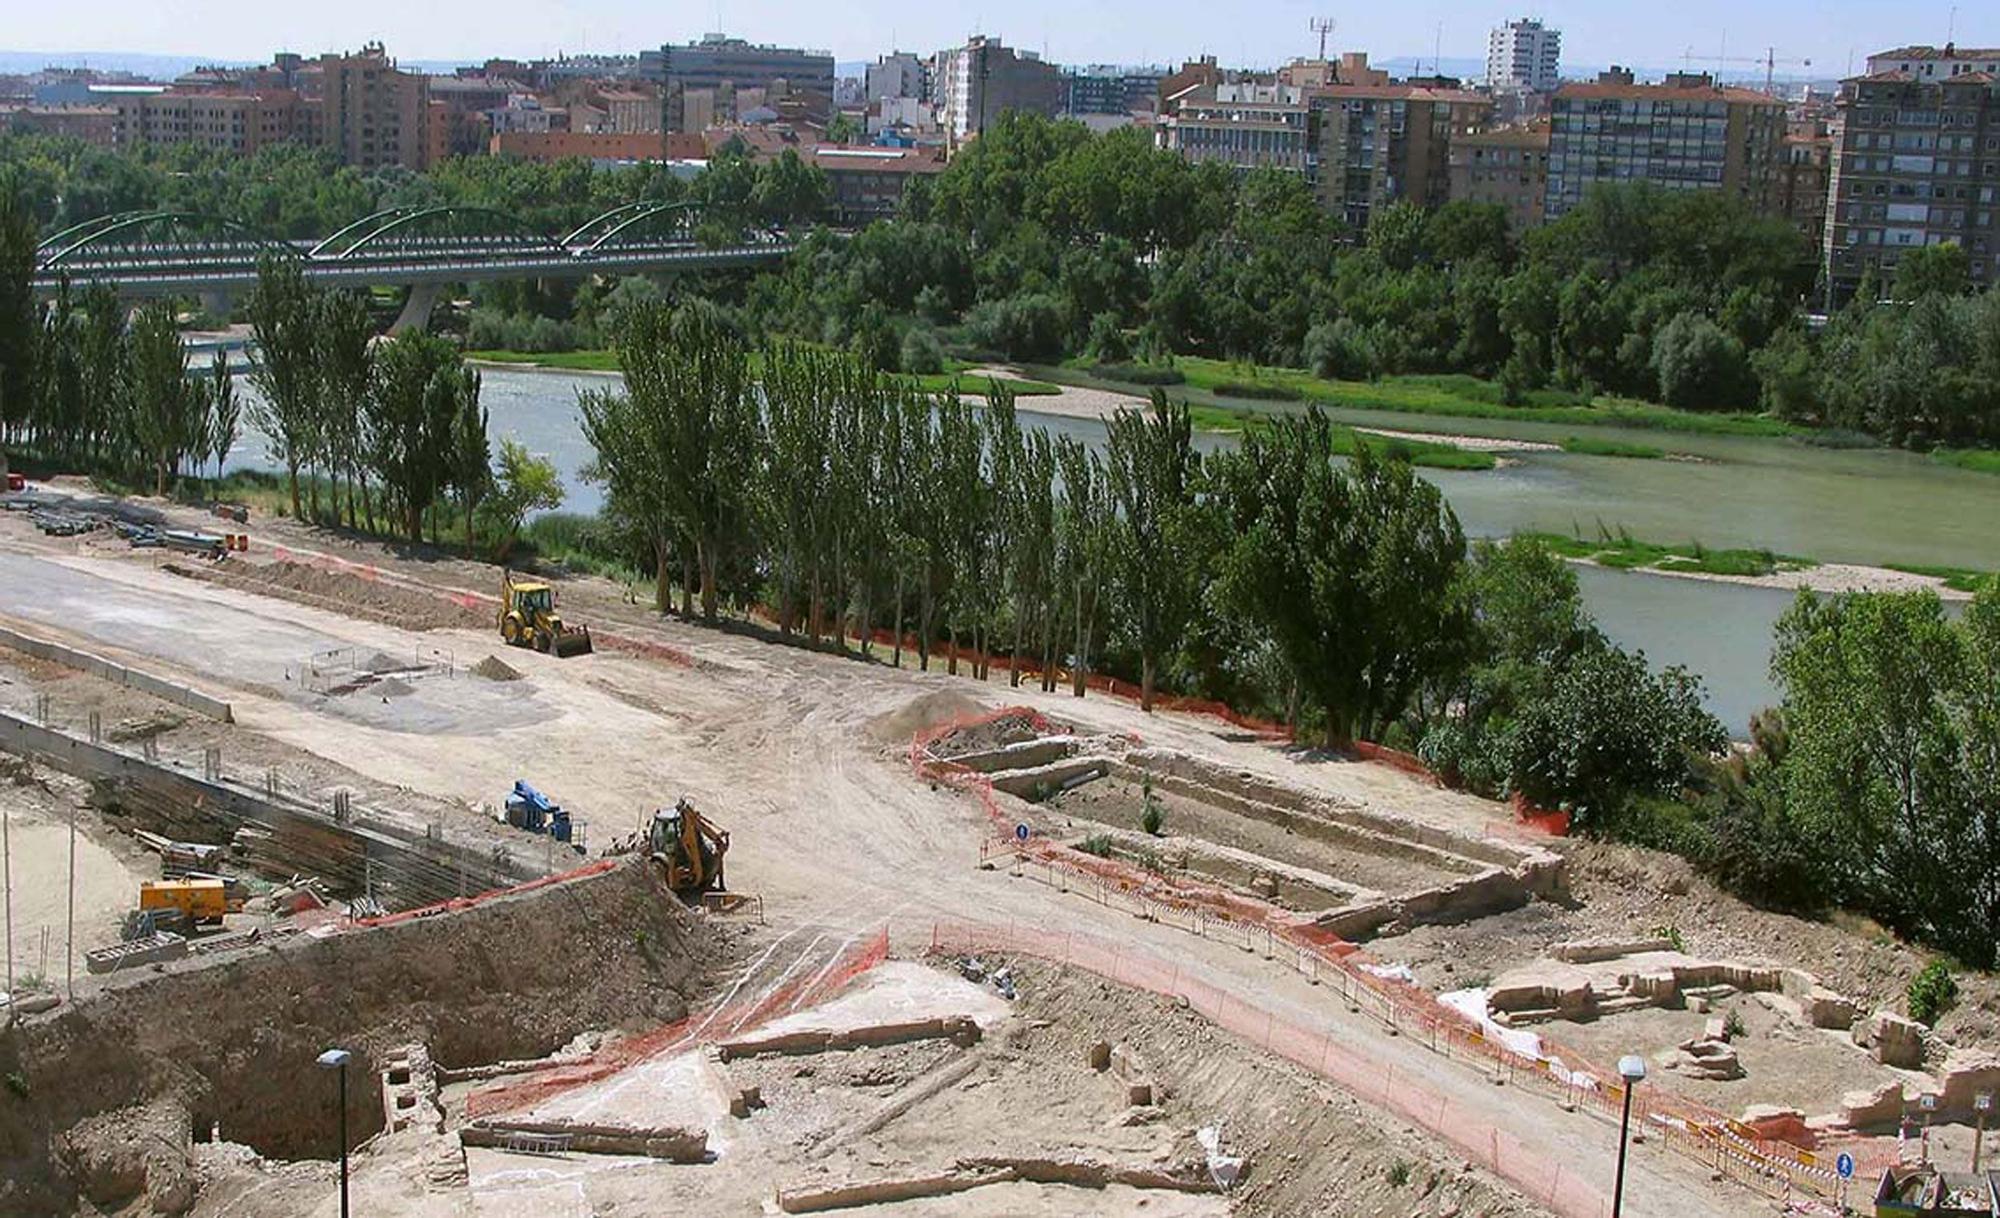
(528, 618)
(686, 851)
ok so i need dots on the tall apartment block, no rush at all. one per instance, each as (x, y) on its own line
(1916, 162)
(1377, 144)
(372, 113)
(691, 77)
(1508, 166)
(978, 82)
(1524, 56)
(1685, 134)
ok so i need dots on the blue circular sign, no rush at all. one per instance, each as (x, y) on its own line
(1844, 1165)
(1021, 832)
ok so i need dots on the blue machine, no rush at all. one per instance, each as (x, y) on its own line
(529, 809)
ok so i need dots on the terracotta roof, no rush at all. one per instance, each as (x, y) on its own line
(873, 159)
(1733, 94)
(1944, 52)
(1396, 92)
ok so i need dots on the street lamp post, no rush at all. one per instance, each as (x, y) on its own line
(1631, 1068)
(336, 1059)
(1981, 1104)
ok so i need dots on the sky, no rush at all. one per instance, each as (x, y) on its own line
(1834, 34)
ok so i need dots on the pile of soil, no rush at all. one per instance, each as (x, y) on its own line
(994, 733)
(922, 713)
(493, 668)
(392, 604)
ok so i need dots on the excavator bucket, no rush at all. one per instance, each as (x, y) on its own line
(574, 642)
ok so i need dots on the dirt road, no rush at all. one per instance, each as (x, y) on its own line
(828, 824)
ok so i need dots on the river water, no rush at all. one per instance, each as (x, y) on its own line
(1864, 506)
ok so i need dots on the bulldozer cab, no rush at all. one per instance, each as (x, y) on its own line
(534, 598)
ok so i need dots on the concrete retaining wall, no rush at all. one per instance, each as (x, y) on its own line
(110, 670)
(419, 870)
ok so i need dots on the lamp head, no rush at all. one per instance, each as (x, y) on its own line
(1632, 1067)
(333, 1059)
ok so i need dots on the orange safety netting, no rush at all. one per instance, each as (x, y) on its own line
(458, 903)
(725, 1018)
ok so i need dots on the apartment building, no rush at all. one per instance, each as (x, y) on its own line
(1524, 56)
(373, 114)
(1243, 125)
(896, 75)
(976, 83)
(1105, 89)
(226, 121)
(1376, 144)
(1915, 162)
(1506, 165)
(719, 66)
(1686, 133)
(1803, 184)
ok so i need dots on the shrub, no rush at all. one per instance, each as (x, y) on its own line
(1263, 391)
(1701, 366)
(1107, 339)
(1140, 374)
(1098, 844)
(1153, 814)
(922, 353)
(1732, 1025)
(1932, 991)
(1399, 1173)
(1341, 350)
(1029, 326)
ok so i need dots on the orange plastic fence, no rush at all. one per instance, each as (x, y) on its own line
(700, 1027)
(457, 903)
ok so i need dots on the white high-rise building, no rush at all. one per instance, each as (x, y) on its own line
(1524, 56)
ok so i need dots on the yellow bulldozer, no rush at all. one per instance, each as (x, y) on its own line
(528, 618)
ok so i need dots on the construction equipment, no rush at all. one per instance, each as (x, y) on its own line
(528, 618)
(686, 850)
(529, 809)
(199, 899)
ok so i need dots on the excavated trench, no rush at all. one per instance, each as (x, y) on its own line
(102, 1099)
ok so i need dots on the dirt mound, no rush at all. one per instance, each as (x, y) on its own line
(493, 668)
(921, 713)
(380, 662)
(514, 977)
(391, 604)
(1008, 729)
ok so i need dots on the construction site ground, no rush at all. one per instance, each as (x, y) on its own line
(804, 757)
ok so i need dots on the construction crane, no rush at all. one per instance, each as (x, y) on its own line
(1769, 59)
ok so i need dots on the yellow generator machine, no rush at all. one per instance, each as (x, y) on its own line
(528, 618)
(687, 851)
(197, 899)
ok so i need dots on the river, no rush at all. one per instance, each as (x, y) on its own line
(1865, 506)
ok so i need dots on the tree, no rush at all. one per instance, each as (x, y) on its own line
(287, 408)
(18, 320)
(421, 392)
(1153, 475)
(1881, 700)
(1352, 577)
(471, 456)
(524, 483)
(1699, 365)
(224, 413)
(168, 408)
(1942, 270)
(344, 361)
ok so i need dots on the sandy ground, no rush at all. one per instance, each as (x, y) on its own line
(1478, 444)
(37, 809)
(1830, 579)
(828, 826)
(1069, 401)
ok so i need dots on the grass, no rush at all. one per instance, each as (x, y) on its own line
(601, 360)
(1468, 397)
(1958, 579)
(1426, 454)
(1623, 552)
(1980, 460)
(1593, 447)
(950, 382)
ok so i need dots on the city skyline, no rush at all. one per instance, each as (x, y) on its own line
(1704, 34)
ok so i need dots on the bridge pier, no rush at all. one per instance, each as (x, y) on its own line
(219, 302)
(416, 314)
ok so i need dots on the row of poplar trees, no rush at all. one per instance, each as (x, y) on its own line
(856, 502)
(392, 427)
